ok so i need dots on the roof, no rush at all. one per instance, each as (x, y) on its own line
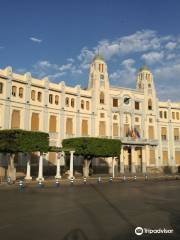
(144, 67)
(98, 57)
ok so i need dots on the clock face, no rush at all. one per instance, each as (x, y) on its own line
(126, 100)
(102, 76)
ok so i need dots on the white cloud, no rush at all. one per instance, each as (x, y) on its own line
(152, 57)
(171, 45)
(36, 40)
(65, 67)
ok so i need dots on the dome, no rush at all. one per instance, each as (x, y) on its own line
(98, 57)
(144, 68)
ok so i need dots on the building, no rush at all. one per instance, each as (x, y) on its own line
(148, 128)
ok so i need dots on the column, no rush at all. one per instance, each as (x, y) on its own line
(113, 165)
(40, 172)
(58, 165)
(133, 160)
(143, 160)
(71, 165)
(122, 161)
(28, 170)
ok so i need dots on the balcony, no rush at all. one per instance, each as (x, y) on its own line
(139, 141)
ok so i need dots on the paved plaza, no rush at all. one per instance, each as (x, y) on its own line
(91, 211)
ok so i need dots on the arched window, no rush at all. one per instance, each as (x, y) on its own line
(33, 95)
(165, 114)
(69, 126)
(72, 102)
(15, 119)
(82, 104)
(84, 128)
(87, 105)
(102, 129)
(1, 87)
(52, 123)
(149, 104)
(50, 98)
(39, 96)
(56, 99)
(35, 122)
(21, 92)
(67, 102)
(115, 129)
(101, 100)
(14, 90)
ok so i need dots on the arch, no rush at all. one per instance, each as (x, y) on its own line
(14, 90)
(15, 119)
(102, 128)
(150, 104)
(52, 123)
(56, 99)
(72, 102)
(33, 95)
(50, 98)
(69, 126)
(115, 129)
(35, 122)
(21, 91)
(39, 96)
(84, 127)
(101, 98)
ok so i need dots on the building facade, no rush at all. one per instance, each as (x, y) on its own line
(148, 128)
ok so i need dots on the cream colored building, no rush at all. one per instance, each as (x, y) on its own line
(148, 128)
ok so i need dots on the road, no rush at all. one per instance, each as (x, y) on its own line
(91, 211)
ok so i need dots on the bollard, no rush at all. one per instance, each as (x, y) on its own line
(124, 178)
(40, 184)
(57, 184)
(8, 180)
(146, 177)
(21, 185)
(99, 179)
(84, 180)
(135, 178)
(72, 181)
(110, 179)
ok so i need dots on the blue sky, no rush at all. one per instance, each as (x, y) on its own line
(59, 38)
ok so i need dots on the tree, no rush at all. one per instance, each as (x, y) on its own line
(93, 147)
(16, 140)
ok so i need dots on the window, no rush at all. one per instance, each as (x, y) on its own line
(101, 100)
(84, 128)
(15, 119)
(101, 68)
(115, 102)
(33, 95)
(115, 129)
(35, 122)
(177, 157)
(161, 114)
(67, 102)
(39, 96)
(150, 120)
(14, 89)
(102, 128)
(69, 126)
(82, 104)
(149, 104)
(87, 105)
(126, 130)
(56, 99)
(173, 115)
(115, 117)
(165, 157)
(101, 115)
(151, 132)
(164, 133)
(152, 157)
(137, 105)
(149, 85)
(1, 87)
(176, 134)
(52, 123)
(165, 114)
(136, 119)
(72, 102)
(177, 115)
(21, 92)
(50, 98)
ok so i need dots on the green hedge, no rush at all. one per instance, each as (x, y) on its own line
(16, 140)
(93, 147)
